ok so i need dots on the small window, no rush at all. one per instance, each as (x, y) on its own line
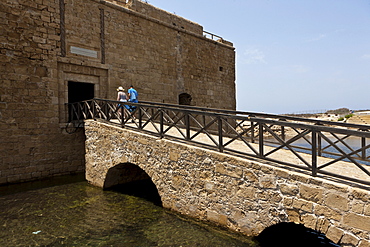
(185, 99)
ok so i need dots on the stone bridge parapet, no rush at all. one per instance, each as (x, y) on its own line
(245, 195)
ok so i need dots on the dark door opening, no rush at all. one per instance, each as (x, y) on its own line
(78, 91)
(185, 99)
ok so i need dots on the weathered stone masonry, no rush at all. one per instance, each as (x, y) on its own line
(243, 195)
(45, 44)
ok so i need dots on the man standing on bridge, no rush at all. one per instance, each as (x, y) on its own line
(133, 97)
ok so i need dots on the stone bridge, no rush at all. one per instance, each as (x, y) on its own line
(243, 194)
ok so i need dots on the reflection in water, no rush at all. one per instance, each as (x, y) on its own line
(77, 214)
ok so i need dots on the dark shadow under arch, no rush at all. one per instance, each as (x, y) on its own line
(290, 234)
(130, 179)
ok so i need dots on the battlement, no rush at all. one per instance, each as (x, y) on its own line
(160, 15)
(168, 18)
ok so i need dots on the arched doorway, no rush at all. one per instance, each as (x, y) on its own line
(184, 99)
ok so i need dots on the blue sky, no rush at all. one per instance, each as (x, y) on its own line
(291, 55)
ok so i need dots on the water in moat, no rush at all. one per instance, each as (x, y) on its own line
(67, 211)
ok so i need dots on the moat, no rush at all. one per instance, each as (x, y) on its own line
(67, 211)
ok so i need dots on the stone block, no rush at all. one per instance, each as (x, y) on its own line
(275, 197)
(323, 224)
(205, 175)
(309, 193)
(268, 182)
(3, 179)
(14, 178)
(309, 220)
(293, 215)
(337, 201)
(227, 170)
(357, 221)
(250, 176)
(302, 205)
(367, 210)
(335, 187)
(358, 207)
(304, 179)
(288, 189)
(327, 212)
(334, 234)
(248, 193)
(282, 173)
(174, 155)
(41, 71)
(364, 243)
(349, 240)
(361, 195)
(288, 202)
(209, 186)
(267, 169)
(216, 217)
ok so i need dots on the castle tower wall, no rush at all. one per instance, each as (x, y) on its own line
(47, 46)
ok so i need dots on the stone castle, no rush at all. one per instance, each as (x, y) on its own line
(61, 51)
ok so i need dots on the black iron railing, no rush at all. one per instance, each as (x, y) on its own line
(339, 150)
(212, 36)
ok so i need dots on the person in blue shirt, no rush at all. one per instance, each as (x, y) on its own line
(133, 97)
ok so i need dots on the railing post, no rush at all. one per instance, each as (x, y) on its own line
(93, 109)
(161, 123)
(283, 133)
(71, 111)
(260, 142)
(319, 145)
(140, 117)
(252, 132)
(122, 110)
(79, 111)
(220, 141)
(363, 144)
(314, 153)
(106, 110)
(187, 126)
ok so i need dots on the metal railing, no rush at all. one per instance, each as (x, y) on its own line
(212, 36)
(337, 150)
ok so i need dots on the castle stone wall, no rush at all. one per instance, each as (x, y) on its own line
(243, 195)
(46, 44)
(32, 142)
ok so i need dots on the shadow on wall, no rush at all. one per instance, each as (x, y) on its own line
(289, 234)
(128, 178)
